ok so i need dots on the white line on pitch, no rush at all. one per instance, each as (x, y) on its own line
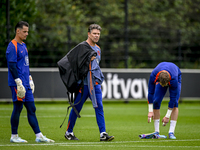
(106, 143)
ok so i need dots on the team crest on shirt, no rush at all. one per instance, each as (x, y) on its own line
(26, 61)
(98, 53)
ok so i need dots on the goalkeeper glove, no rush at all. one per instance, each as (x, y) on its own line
(31, 83)
(20, 88)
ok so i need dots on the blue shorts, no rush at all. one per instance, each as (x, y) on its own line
(159, 95)
(28, 96)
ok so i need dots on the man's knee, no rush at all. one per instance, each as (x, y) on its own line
(30, 107)
(18, 106)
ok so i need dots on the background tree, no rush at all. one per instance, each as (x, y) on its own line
(158, 30)
(19, 10)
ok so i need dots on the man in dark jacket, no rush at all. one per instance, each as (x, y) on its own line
(81, 64)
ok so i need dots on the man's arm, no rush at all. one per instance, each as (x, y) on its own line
(32, 85)
(165, 120)
(13, 69)
(150, 114)
(93, 57)
(174, 91)
(151, 88)
(20, 88)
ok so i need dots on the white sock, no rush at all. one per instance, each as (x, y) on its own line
(14, 135)
(101, 134)
(172, 126)
(39, 134)
(156, 125)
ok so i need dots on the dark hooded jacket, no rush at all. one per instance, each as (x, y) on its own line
(74, 66)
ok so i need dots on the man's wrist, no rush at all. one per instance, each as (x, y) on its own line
(150, 107)
(18, 81)
(168, 114)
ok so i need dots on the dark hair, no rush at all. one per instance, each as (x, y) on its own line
(164, 77)
(20, 24)
(94, 26)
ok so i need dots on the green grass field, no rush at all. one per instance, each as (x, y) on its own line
(123, 120)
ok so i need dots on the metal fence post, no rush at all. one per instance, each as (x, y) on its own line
(69, 37)
(179, 48)
(126, 32)
(7, 21)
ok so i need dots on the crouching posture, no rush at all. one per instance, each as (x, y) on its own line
(165, 75)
